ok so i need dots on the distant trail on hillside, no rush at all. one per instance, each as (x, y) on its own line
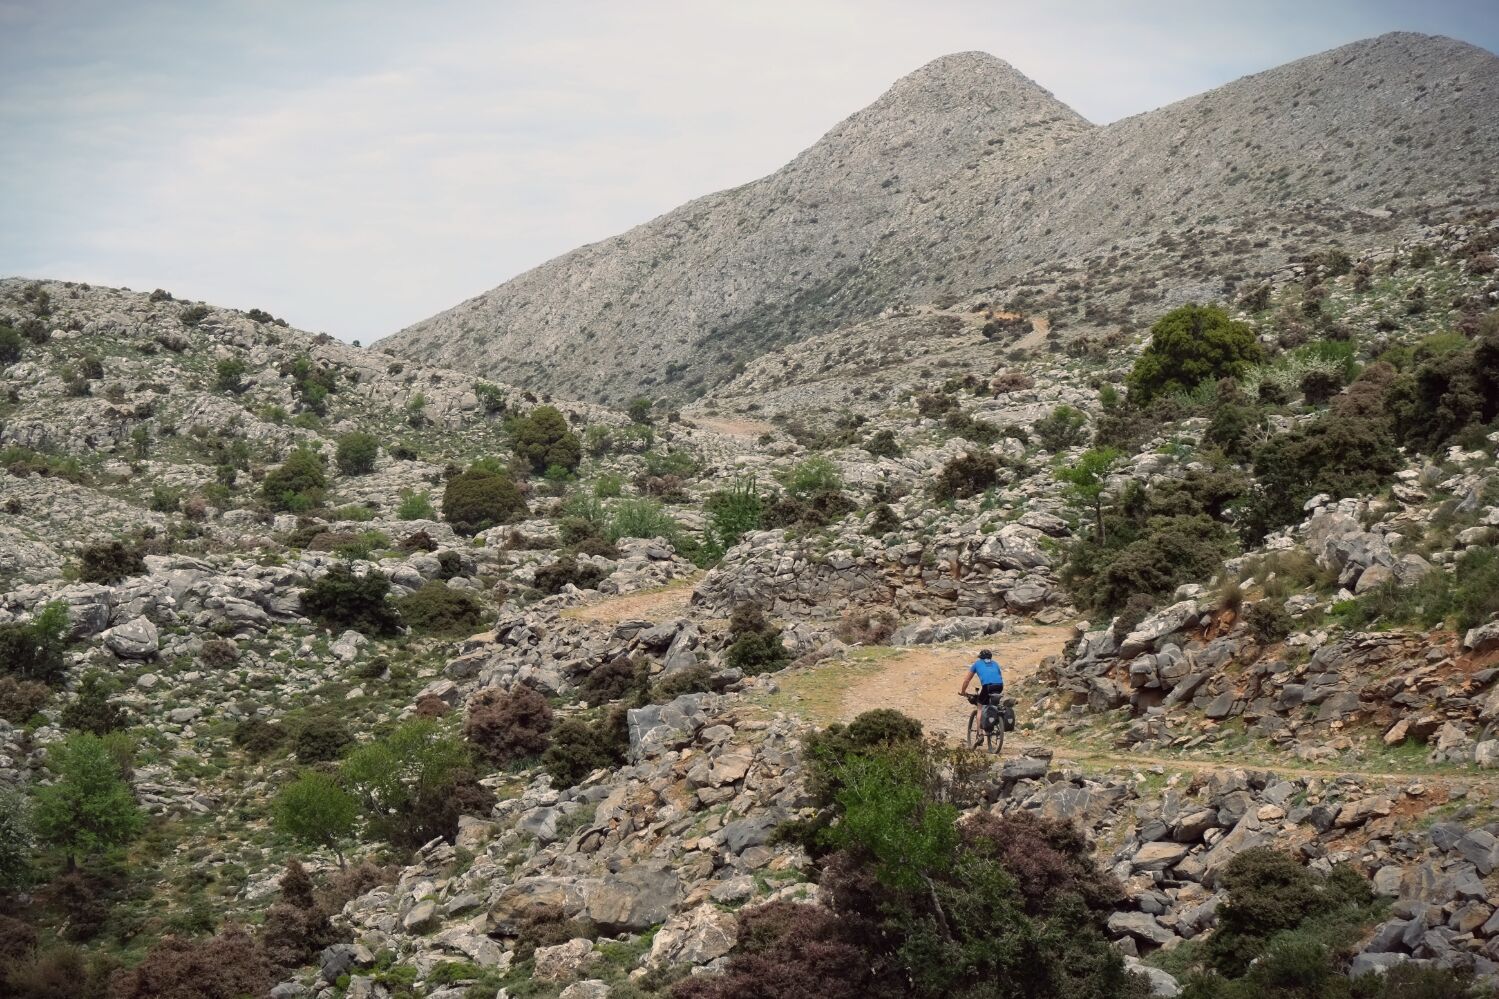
(923, 682)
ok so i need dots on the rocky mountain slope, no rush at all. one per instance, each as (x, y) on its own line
(615, 686)
(967, 176)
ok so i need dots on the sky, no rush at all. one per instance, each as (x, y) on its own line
(355, 167)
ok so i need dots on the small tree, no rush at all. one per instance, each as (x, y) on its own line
(11, 345)
(1190, 345)
(640, 410)
(315, 810)
(298, 483)
(228, 375)
(91, 807)
(93, 711)
(481, 498)
(1087, 481)
(1062, 429)
(543, 440)
(33, 651)
(343, 600)
(356, 453)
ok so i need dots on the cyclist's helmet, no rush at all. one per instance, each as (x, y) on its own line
(986, 654)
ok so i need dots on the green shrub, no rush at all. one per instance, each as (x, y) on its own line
(297, 484)
(110, 562)
(479, 499)
(1268, 621)
(882, 444)
(17, 840)
(1269, 892)
(439, 609)
(413, 785)
(639, 409)
(319, 737)
(356, 453)
(966, 475)
(508, 725)
(1447, 394)
(756, 643)
(692, 680)
(622, 677)
(491, 398)
(1172, 551)
(12, 345)
(415, 506)
(1063, 428)
(584, 575)
(579, 747)
(33, 650)
(812, 477)
(343, 600)
(92, 710)
(1191, 345)
(542, 439)
(734, 512)
(311, 383)
(192, 315)
(1336, 454)
(257, 736)
(642, 518)
(228, 375)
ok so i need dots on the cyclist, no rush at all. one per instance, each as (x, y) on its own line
(991, 678)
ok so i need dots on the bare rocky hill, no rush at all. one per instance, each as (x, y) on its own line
(967, 176)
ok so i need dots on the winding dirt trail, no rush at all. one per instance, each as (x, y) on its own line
(658, 605)
(734, 427)
(923, 682)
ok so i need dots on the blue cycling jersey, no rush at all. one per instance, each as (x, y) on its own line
(988, 671)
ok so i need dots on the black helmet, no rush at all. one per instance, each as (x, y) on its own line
(986, 654)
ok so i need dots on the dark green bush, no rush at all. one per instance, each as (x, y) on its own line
(438, 609)
(92, 710)
(192, 315)
(967, 475)
(542, 439)
(12, 345)
(356, 453)
(257, 736)
(1446, 394)
(1061, 429)
(579, 747)
(1336, 454)
(33, 650)
(585, 576)
(297, 484)
(735, 511)
(1268, 621)
(481, 498)
(1268, 892)
(319, 738)
(692, 680)
(110, 562)
(229, 373)
(1188, 346)
(343, 600)
(882, 444)
(756, 643)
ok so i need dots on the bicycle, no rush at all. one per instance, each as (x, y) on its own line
(987, 723)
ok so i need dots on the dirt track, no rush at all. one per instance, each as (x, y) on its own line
(923, 682)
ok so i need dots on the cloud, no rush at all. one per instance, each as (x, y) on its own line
(358, 166)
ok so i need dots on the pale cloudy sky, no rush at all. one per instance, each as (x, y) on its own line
(357, 166)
